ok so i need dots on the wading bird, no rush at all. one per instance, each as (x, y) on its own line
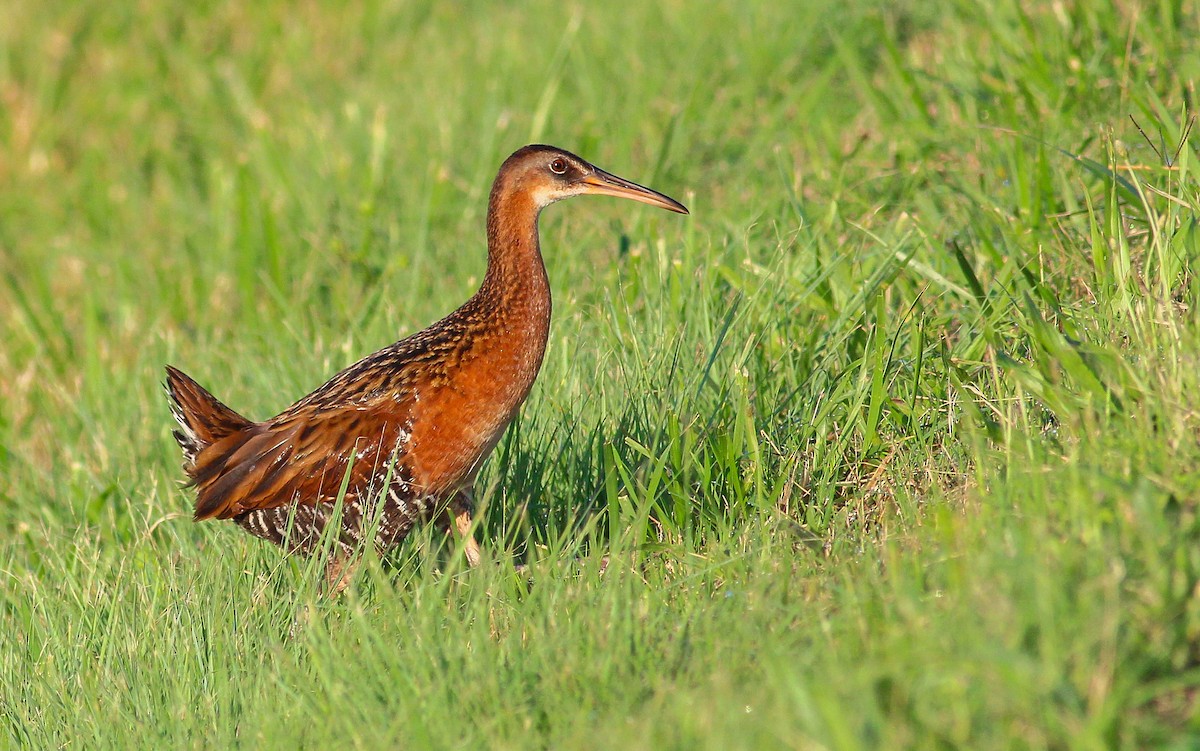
(400, 435)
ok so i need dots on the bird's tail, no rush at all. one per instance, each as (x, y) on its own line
(203, 419)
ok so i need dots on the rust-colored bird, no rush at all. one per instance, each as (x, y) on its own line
(404, 430)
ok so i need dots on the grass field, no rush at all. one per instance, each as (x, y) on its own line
(893, 443)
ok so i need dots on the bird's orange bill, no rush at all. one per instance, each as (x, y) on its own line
(602, 183)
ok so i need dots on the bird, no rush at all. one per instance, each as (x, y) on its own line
(396, 440)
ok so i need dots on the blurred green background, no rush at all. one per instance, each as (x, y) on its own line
(892, 443)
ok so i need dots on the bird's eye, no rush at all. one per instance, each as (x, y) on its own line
(558, 166)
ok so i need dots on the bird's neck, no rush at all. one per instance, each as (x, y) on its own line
(509, 316)
(515, 285)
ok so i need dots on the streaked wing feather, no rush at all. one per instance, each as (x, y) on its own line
(301, 456)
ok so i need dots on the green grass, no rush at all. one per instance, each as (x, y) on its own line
(893, 443)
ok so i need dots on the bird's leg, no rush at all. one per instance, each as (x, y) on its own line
(339, 572)
(460, 518)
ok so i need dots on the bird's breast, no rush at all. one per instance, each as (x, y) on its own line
(458, 419)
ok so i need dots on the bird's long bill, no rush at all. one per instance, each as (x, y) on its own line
(602, 183)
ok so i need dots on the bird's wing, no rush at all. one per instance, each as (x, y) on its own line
(304, 455)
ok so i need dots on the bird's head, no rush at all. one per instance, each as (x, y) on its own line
(548, 174)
